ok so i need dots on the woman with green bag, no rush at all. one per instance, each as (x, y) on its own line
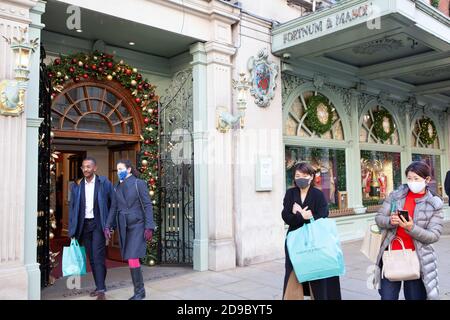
(300, 204)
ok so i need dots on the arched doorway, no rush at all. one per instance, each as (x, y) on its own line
(90, 118)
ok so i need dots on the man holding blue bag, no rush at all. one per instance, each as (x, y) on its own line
(88, 211)
(313, 254)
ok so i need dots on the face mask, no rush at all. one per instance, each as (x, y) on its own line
(416, 186)
(302, 183)
(122, 174)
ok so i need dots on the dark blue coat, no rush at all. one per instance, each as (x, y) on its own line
(102, 200)
(131, 212)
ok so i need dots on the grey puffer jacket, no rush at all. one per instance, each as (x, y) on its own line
(427, 229)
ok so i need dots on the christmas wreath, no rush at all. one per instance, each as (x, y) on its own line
(312, 120)
(378, 128)
(101, 66)
(424, 134)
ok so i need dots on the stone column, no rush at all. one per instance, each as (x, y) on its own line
(222, 251)
(406, 155)
(32, 154)
(199, 63)
(353, 156)
(14, 278)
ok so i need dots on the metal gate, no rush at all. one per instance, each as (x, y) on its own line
(44, 174)
(176, 171)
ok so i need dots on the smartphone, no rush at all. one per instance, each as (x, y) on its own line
(404, 213)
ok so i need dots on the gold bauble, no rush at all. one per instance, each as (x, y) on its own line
(133, 83)
(58, 74)
(66, 78)
(51, 235)
(80, 63)
(95, 58)
(52, 135)
(152, 193)
(53, 225)
(144, 163)
(134, 70)
(152, 262)
(109, 77)
(52, 211)
(113, 73)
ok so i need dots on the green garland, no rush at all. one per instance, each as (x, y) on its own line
(423, 131)
(312, 121)
(81, 67)
(378, 125)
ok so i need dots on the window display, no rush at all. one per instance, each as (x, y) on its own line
(380, 175)
(330, 171)
(434, 162)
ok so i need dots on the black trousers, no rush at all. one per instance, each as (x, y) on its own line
(95, 244)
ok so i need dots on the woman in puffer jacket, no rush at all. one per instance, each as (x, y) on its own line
(423, 228)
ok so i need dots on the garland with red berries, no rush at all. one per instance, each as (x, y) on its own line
(101, 66)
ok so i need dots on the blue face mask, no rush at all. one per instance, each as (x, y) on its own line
(122, 174)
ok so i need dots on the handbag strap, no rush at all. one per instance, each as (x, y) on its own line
(139, 196)
(401, 243)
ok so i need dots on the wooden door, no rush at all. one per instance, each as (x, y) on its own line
(116, 153)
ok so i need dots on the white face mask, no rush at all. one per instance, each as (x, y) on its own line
(416, 186)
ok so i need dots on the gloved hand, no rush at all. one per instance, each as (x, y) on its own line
(148, 234)
(107, 233)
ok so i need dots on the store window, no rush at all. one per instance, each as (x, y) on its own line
(330, 172)
(434, 161)
(313, 115)
(378, 126)
(425, 134)
(380, 175)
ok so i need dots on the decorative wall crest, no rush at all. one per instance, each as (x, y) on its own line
(263, 78)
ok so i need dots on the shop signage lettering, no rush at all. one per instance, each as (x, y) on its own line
(331, 22)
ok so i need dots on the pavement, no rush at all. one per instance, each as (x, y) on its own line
(263, 281)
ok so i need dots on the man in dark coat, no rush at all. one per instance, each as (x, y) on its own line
(447, 184)
(88, 211)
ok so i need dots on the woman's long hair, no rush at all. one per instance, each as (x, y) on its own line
(128, 165)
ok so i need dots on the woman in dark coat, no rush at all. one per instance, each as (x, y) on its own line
(300, 204)
(131, 211)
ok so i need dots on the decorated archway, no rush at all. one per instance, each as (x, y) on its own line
(96, 97)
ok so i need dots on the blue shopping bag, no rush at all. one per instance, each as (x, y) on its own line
(315, 251)
(74, 259)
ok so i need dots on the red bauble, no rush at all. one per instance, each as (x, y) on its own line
(146, 153)
(146, 85)
(71, 70)
(85, 76)
(152, 95)
(110, 64)
(139, 76)
(140, 87)
(50, 75)
(152, 181)
(147, 141)
(86, 67)
(77, 79)
(128, 72)
(137, 100)
(94, 67)
(74, 61)
(146, 120)
(100, 70)
(102, 64)
(57, 62)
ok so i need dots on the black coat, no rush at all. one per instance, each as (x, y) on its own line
(447, 184)
(131, 216)
(324, 289)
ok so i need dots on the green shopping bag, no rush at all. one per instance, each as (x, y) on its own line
(74, 259)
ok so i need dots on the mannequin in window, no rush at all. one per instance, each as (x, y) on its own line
(367, 180)
(382, 180)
